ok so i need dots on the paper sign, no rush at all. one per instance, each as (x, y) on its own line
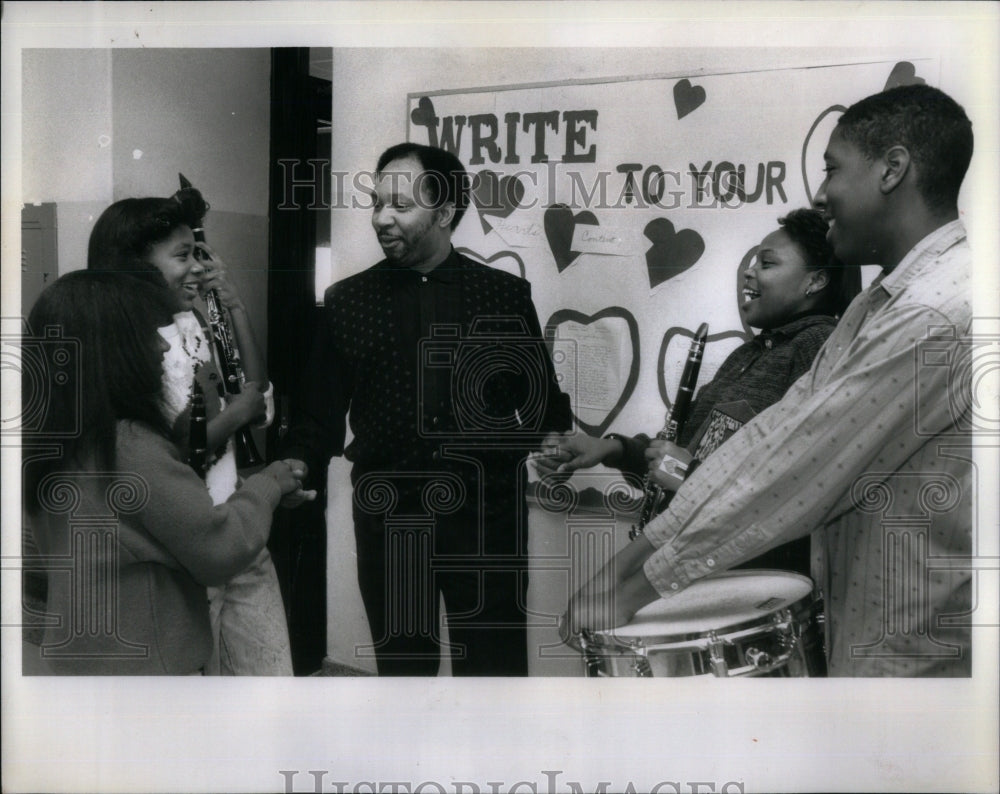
(600, 362)
(519, 233)
(609, 241)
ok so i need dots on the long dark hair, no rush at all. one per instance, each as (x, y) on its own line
(105, 325)
(808, 229)
(126, 231)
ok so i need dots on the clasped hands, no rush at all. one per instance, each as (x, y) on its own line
(564, 453)
(289, 475)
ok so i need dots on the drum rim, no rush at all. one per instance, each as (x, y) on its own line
(609, 640)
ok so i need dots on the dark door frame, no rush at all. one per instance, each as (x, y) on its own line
(299, 105)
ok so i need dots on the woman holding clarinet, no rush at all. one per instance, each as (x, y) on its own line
(793, 291)
(155, 239)
(135, 602)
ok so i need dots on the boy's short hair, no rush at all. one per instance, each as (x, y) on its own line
(444, 178)
(931, 125)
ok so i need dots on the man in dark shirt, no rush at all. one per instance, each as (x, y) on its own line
(441, 365)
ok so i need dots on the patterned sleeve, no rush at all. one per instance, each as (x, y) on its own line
(558, 414)
(790, 469)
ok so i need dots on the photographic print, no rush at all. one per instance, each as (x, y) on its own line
(389, 387)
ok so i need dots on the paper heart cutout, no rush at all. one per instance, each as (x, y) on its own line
(903, 73)
(569, 315)
(423, 114)
(559, 225)
(507, 261)
(684, 333)
(808, 140)
(687, 97)
(672, 252)
(495, 195)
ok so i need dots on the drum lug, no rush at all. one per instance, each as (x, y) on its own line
(788, 635)
(641, 668)
(782, 622)
(640, 661)
(760, 660)
(716, 656)
(591, 662)
(594, 658)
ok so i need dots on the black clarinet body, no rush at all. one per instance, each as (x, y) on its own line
(653, 493)
(226, 350)
(198, 432)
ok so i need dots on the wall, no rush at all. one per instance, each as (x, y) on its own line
(206, 114)
(67, 133)
(102, 125)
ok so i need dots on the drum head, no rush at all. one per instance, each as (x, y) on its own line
(718, 602)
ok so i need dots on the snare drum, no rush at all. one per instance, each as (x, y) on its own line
(739, 623)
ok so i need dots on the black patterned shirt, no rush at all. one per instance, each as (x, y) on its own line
(435, 371)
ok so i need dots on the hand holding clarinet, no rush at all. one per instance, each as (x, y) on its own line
(669, 464)
(653, 491)
(224, 305)
(227, 319)
(564, 453)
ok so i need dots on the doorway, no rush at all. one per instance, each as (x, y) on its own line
(299, 222)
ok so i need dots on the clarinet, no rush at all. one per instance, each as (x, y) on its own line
(652, 494)
(198, 432)
(222, 337)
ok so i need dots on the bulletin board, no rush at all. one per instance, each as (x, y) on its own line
(634, 205)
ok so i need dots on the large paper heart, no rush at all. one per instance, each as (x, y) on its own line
(507, 261)
(672, 252)
(495, 195)
(903, 73)
(687, 97)
(569, 352)
(668, 386)
(559, 224)
(813, 160)
(423, 115)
